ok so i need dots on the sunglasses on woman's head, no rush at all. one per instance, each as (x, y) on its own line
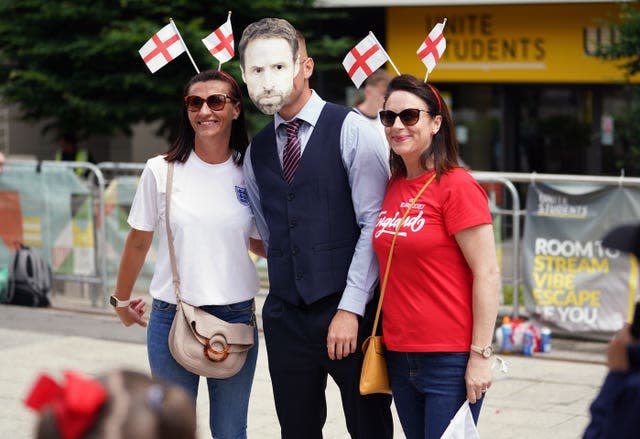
(408, 117)
(214, 102)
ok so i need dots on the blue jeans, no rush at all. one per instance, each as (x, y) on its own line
(428, 389)
(228, 398)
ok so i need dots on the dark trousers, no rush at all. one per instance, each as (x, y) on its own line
(296, 339)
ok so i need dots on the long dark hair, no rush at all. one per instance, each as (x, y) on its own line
(185, 141)
(444, 146)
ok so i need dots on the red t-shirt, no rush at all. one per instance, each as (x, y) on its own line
(427, 303)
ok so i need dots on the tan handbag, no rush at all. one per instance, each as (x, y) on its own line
(200, 342)
(374, 377)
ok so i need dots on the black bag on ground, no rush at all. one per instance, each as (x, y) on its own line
(29, 278)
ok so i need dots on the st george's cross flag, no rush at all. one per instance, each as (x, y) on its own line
(162, 48)
(433, 47)
(364, 59)
(219, 43)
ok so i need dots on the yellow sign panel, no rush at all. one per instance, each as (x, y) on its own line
(32, 231)
(515, 43)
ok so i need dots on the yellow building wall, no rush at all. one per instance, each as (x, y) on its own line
(515, 43)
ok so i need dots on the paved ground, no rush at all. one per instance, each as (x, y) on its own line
(544, 396)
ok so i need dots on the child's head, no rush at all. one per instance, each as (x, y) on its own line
(117, 405)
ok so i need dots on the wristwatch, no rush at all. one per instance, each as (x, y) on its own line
(486, 352)
(117, 303)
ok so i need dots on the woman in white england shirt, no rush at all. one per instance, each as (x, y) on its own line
(213, 228)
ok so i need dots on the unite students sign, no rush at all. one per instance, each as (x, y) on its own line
(544, 43)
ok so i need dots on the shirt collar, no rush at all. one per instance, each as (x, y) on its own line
(309, 113)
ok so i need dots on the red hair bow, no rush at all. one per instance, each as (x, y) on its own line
(75, 404)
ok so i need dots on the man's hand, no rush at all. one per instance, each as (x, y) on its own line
(132, 313)
(342, 336)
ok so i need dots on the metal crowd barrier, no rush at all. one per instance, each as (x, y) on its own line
(518, 213)
(97, 186)
(515, 213)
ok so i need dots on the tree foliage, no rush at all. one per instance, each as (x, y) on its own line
(74, 64)
(625, 47)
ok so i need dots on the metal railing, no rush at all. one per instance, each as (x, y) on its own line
(97, 186)
(97, 181)
(515, 213)
(518, 213)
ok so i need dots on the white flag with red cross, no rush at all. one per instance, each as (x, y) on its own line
(219, 43)
(433, 46)
(364, 59)
(162, 48)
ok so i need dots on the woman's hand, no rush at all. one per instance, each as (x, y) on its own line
(478, 377)
(132, 313)
(136, 248)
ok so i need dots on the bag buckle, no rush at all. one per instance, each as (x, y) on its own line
(214, 355)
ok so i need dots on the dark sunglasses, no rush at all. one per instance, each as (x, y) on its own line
(214, 102)
(408, 117)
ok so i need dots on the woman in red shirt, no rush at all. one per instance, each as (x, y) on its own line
(441, 298)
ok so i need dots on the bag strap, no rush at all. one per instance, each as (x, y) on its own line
(383, 286)
(172, 253)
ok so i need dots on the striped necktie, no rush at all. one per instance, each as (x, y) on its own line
(291, 153)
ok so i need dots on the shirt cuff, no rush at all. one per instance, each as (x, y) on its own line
(354, 300)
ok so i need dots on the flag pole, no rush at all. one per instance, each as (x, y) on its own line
(184, 44)
(385, 52)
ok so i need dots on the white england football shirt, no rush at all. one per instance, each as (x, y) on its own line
(211, 223)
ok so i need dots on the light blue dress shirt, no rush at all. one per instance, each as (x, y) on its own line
(365, 159)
